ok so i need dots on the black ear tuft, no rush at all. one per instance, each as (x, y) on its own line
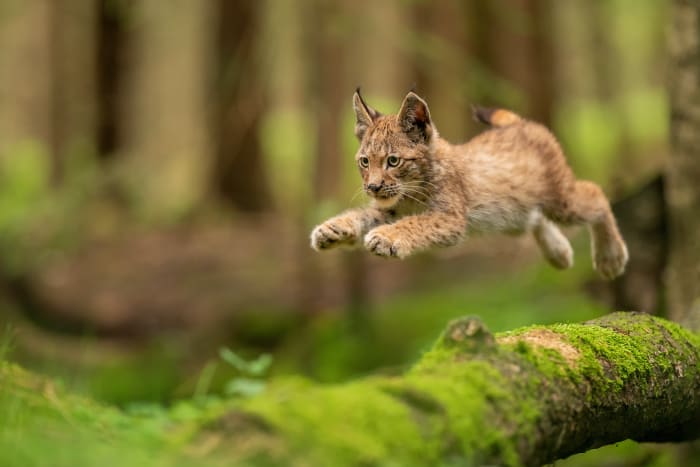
(364, 114)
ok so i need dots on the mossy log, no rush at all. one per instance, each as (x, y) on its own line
(526, 397)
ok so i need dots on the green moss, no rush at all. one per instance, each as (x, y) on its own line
(480, 397)
(465, 401)
(612, 349)
(626, 453)
(362, 424)
(443, 408)
(548, 362)
(42, 424)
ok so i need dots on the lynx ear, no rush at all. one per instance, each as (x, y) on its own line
(364, 114)
(414, 118)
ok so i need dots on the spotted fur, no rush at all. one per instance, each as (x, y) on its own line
(426, 192)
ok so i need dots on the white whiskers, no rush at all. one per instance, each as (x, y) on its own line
(357, 193)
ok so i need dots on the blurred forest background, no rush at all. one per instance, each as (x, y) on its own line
(162, 163)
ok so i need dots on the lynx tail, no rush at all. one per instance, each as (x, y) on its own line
(495, 117)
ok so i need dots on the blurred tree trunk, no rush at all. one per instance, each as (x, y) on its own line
(330, 78)
(289, 137)
(643, 221)
(632, 81)
(441, 70)
(380, 64)
(576, 76)
(165, 116)
(112, 19)
(518, 47)
(683, 170)
(239, 172)
(25, 74)
(73, 82)
(334, 98)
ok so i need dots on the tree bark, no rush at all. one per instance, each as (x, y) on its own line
(25, 73)
(73, 83)
(519, 49)
(239, 169)
(112, 20)
(683, 169)
(164, 119)
(526, 397)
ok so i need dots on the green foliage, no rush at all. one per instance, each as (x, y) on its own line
(35, 216)
(24, 192)
(644, 113)
(591, 133)
(42, 425)
(257, 367)
(24, 182)
(250, 381)
(148, 376)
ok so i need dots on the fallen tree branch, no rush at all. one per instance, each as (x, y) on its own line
(526, 397)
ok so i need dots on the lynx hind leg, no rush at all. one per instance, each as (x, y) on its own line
(608, 249)
(554, 245)
(588, 205)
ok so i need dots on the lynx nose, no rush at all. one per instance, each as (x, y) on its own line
(375, 187)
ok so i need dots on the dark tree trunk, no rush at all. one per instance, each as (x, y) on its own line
(330, 79)
(518, 48)
(73, 82)
(111, 48)
(441, 72)
(239, 172)
(643, 220)
(683, 170)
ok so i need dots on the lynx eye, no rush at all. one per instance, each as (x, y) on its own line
(392, 161)
(364, 162)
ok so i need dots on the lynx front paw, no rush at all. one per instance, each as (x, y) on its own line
(381, 242)
(611, 259)
(332, 233)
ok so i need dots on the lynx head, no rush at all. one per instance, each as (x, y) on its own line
(394, 155)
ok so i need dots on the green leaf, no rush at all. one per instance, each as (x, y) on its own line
(234, 360)
(245, 387)
(260, 365)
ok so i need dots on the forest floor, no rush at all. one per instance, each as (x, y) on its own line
(44, 424)
(107, 400)
(60, 420)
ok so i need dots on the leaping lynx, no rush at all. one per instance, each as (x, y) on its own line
(426, 192)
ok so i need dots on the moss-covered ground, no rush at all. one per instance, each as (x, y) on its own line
(45, 424)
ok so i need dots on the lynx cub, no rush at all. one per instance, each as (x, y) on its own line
(426, 192)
